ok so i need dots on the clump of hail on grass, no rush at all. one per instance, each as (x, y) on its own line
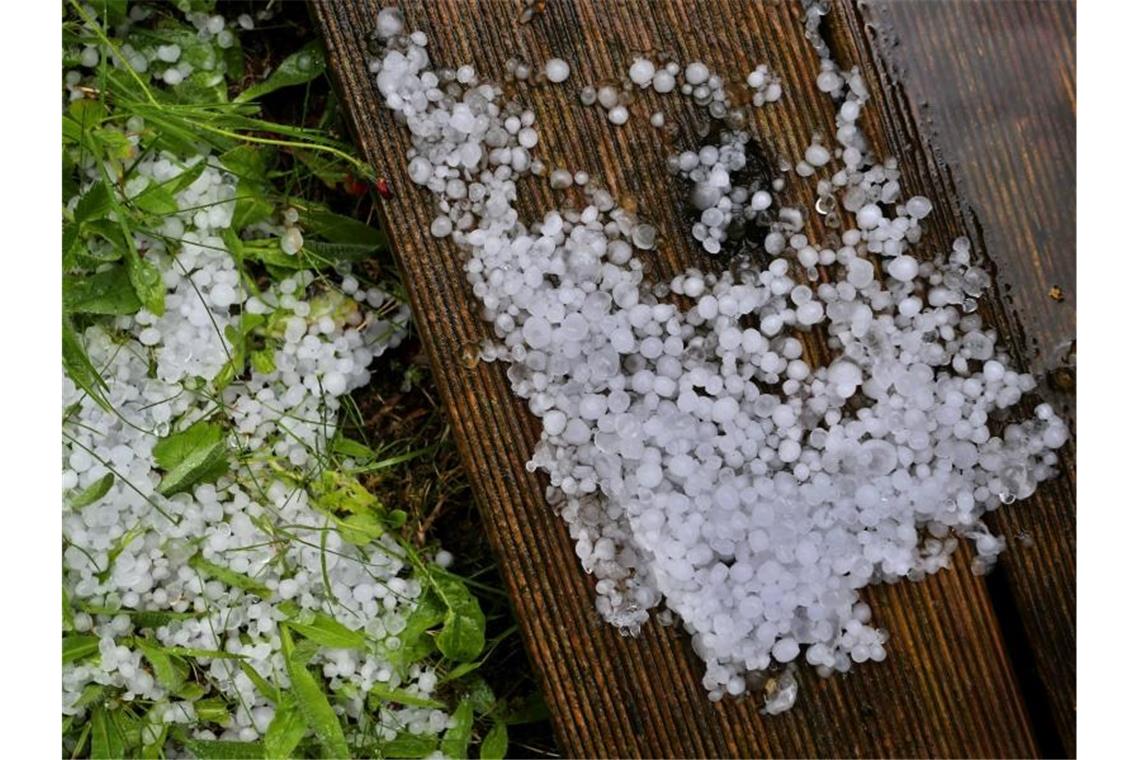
(209, 537)
(697, 457)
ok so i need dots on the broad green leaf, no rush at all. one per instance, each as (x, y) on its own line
(262, 685)
(494, 746)
(212, 710)
(263, 360)
(93, 492)
(350, 448)
(480, 695)
(414, 641)
(106, 742)
(109, 292)
(462, 635)
(335, 491)
(328, 632)
(250, 204)
(327, 254)
(156, 199)
(360, 529)
(531, 709)
(79, 367)
(111, 143)
(402, 697)
(165, 667)
(94, 203)
(456, 738)
(229, 577)
(303, 66)
(82, 116)
(268, 251)
(408, 745)
(146, 279)
(330, 170)
(78, 646)
(210, 654)
(220, 750)
(129, 729)
(114, 11)
(286, 730)
(318, 714)
(196, 455)
(92, 694)
(337, 228)
(248, 162)
(68, 613)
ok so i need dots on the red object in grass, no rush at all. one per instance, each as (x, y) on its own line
(354, 187)
(382, 187)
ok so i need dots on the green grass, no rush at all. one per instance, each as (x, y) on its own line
(391, 470)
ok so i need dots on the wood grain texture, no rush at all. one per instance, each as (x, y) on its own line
(948, 687)
(993, 86)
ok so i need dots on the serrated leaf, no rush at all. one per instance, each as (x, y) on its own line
(79, 368)
(93, 492)
(402, 697)
(286, 730)
(229, 577)
(456, 738)
(78, 646)
(223, 750)
(303, 66)
(462, 635)
(328, 632)
(318, 714)
(196, 455)
(494, 746)
(109, 292)
(408, 745)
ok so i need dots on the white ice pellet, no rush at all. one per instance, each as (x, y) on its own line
(641, 72)
(557, 70)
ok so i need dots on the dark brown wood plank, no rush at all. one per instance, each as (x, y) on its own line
(994, 86)
(947, 688)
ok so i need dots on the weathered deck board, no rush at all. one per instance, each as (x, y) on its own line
(948, 687)
(994, 85)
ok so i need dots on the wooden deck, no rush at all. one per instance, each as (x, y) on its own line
(976, 666)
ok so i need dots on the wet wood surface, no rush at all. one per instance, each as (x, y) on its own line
(951, 686)
(993, 88)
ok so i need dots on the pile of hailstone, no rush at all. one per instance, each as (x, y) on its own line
(136, 551)
(697, 457)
